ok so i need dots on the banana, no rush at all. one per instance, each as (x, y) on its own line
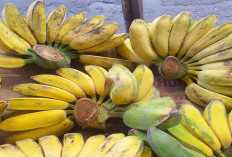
(11, 62)
(145, 81)
(72, 144)
(8, 150)
(91, 145)
(94, 37)
(152, 94)
(212, 49)
(105, 62)
(83, 28)
(147, 152)
(128, 146)
(110, 43)
(180, 26)
(189, 140)
(192, 24)
(44, 91)
(50, 145)
(124, 86)
(211, 37)
(30, 103)
(194, 122)
(200, 29)
(125, 50)
(107, 144)
(5, 50)
(230, 121)
(35, 134)
(84, 81)
(16, 113)
(30, 148)
(225, 65)
(140, 40)
(54, 22)
(60, 82)
(159, 32)
(69, 25)
(215, 116)
(14, 19)
(36, 20)
(33, 120)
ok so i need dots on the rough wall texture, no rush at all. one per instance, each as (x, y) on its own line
(152, 8)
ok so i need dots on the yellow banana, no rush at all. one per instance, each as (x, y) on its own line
(120, 66)
(30, 148)
(54, 22)
(140, 40)
(110, 43)
(94, 37)
(145, 81)
(152, 94)
(11, 62)
(84, 81)
(50, 145)
(215, 116)
(16, 113)
(128, 146)
(200, 29)
(189, 140)
(60, 82)
(72, 144)
(36, 20)
(44, 91)
(91, 145)
(8, 150)
(30, 103)
(14, 19)
(230, 121)
(35, 134)
(192, 24)
(5, 50)
(125, 50)
(83, 28)
(147, 152)
(225, 65)
(193, 120)
(33, 120)
(180, 26)
(124, 86)
(159, 32)
(107, 144)
(69, 25)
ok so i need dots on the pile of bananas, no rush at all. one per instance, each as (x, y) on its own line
(183, 46)
(74, 145)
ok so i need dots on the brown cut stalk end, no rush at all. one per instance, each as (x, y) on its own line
(171, 66)
(85, 110)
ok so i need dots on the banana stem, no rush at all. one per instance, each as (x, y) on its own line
(69, 112)
(66, 49)
(193, 77)
(100, 100)
(61, 46)
(71, 106)
(193, 72)
(94, 98)
(49, 44)
(187, 80)
(195, 68)
(29, 60)
(72, 55)
(219, 153)
(56, 45)
(192, 64)
(116, 114)
(184, 59)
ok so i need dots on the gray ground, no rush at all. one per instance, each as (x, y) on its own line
(152, 8)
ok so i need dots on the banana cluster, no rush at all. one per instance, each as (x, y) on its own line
(74, 146)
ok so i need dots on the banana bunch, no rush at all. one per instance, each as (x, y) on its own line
(185, 47)
(73, 145)
(52, 42)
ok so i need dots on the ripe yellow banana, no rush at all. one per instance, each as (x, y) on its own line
(72, 144)
(193, 120)
(35, 134)
(124, 86)
(159, 32)
(215, 116)
(180, 26)
(36, 20)
(147, 152)
(110, 43)
(140, 40)
(152, 94)
(60, 82)
(54, 22)
(11, 62)
(83, 28)
(16, 113)
(8, 150)
(14, 19)
(200, 29)
(192, 24)
(50, 145)
(145, 81)
(94, 37)
(230, 120)
(5, 50)
(33, 120)
(30, 148)
(44, 91)
(84, 81)
(128, 146)
(69, 25)
(189, 140)
(91, 145)
(107, 144)
(225, 65)
(30, 103)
